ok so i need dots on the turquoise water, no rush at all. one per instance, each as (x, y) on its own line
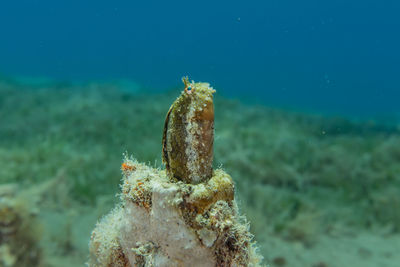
(332, 56)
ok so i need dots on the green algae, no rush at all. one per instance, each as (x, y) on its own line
(299, 177)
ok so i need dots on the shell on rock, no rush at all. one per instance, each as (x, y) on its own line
(189, 134)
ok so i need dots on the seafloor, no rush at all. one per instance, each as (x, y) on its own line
(318, 191)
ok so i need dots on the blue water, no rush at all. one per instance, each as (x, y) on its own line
(336, 56)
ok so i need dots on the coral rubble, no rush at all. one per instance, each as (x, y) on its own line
(185, 215)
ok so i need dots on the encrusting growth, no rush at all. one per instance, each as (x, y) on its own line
(185, 215)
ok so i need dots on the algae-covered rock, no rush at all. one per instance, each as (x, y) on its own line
(165, 223)
(19, 230)
(185, 215)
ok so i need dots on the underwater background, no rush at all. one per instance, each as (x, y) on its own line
(307, 119)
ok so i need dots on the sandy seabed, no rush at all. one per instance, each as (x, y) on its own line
(318, 191)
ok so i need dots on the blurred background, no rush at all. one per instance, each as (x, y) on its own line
(334, 56)
(307, 119)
